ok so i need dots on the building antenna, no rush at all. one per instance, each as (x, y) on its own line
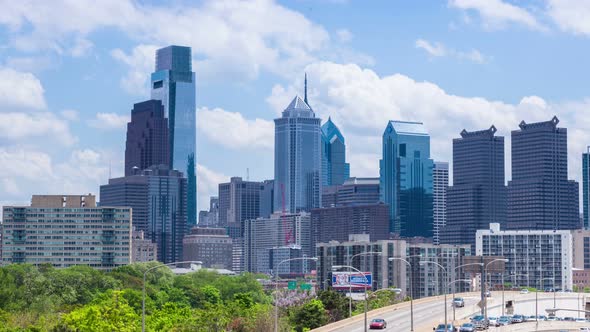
(109, 169)
(305, 90)
(247, 174)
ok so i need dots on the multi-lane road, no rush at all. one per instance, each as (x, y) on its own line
(429, 312)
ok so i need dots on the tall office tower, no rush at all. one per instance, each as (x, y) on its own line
(267, 196)
(406, 178)
(478, 195)
(586, 187)
(353, 191)
(440, 182)
(147, 137)
(298, 162)
(158, 195)
(67, 230)
(173, 83)
(540, 195)
(335, 169)
(238, 200)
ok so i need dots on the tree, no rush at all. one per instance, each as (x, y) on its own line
(309, 316)
(114, 314)
(335, 303)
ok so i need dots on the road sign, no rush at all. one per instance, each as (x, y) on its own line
(292, 285)
(481, 304)
(305, 286)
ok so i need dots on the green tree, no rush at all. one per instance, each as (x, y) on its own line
(309, 316)
(335, 303)
(114, 314)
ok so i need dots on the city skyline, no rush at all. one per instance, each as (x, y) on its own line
(51, 133)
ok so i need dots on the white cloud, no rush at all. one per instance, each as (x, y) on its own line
(20, 90)
(497, 13)
(109, 121)
(208, 185)
(570, 16)
(439, 50)
(17, 127)
(344, 35)
(233, 131)
(69, 114)
(140, 63)
(21, 163)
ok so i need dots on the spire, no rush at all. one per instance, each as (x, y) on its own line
(305, 90)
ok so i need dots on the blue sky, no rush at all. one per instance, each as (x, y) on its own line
(70, 72)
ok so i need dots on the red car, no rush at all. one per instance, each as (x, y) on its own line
(378, 323)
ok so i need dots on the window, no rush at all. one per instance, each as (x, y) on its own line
(158, 84)
(402, 150)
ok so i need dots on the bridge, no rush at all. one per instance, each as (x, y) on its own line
(429, 312)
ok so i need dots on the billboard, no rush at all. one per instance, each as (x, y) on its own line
(344, 280)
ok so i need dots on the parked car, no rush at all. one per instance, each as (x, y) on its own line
(552, 318)
(517, 319)
(378, 323)
(458, 302)
(493, 321)
(549, 290)
(476, 317)
(467, 327)
(480, 322)
(524, 291)
(530, 318)
(441, 328)
(504, 320)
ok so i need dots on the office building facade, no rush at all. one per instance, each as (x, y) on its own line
(67, 230)
(211, 246)
(534, 256)
(298, 160)
(581, 249)
(478, 195)
(238, 200)
(173, 83)
(406, 178)
(354, 191)
(267, 197)
(159, 194)
(440, 183)
(586, 188)
(540, 195)
(335, 169)
(147, 141)
(144, 250)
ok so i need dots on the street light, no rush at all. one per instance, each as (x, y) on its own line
(452, 282)
(337, 267)
(457, 268)
(411, 290)
(484, 273)
(444, 290)
(143, 290)
(350, 284)
(277, 285)
(514, 275)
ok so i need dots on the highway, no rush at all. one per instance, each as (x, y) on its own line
(429, 312)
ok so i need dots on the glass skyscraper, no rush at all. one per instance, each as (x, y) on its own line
(335, 169)
(406, 178)
(173, 83)
(586, 186)
(298, 165)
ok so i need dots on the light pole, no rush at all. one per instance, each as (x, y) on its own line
(578, 285)
(448, 285)
(484, 272)
(349, 283)
(411, 290)
(337, 267)
(277, 285)
(457, 268)
(143, 290)
(444, 290)
(537, 297)
(512, 275)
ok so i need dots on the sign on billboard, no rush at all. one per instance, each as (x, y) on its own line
(346, 280)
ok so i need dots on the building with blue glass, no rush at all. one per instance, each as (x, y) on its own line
(335, 169)
(406, 178)
(173, 83)
(586, 186)
(298, 164)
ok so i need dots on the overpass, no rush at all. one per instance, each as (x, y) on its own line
(429, 312)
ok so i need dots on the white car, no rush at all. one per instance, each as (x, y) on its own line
(587, 329)
(524, 291)
(493, 321)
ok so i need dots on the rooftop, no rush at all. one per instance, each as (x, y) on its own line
(408, 128)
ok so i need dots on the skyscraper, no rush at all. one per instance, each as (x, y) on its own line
(238, 200)
(354, 191)
(147, 137)
(298, 165)
(173, 83)
(478, 195)
(440, 182)
(540, 195)
(335, 169)
(586, 187)
(406, 178)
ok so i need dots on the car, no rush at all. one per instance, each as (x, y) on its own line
(585, 329)
(488, 294)
(530, 318)
(480, 322)
(549, 290)
(551, 318)
(441, 328)
(458, 302)
(524, 291)
(378, 323)
(504, 320)
(580, 320)
(476, 317)
(517, 319)
(467, 327)
(569, 319)
(493, 321)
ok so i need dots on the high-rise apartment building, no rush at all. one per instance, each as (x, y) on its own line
(353, 191)
(67, 230)
(147, 137)
(586, 187)
(478, 195)
(211, 246)
(173, 83)
(159, 196)
(406, 178)
(335, 169)
(540, 195)
(298, 158)
(440, 182)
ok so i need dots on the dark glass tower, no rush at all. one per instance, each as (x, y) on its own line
(540, 195)
(586, 187)
(147, 137)
(335, 169)
(478, 195)
(173, 83)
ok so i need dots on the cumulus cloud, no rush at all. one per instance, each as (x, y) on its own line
(233, 131)
(18, 126)
(497, 13)
(207, 184)
(344, 35)
(20, 90)
(109, 121)
(140, 62)
(439, 50)
(570, 16)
